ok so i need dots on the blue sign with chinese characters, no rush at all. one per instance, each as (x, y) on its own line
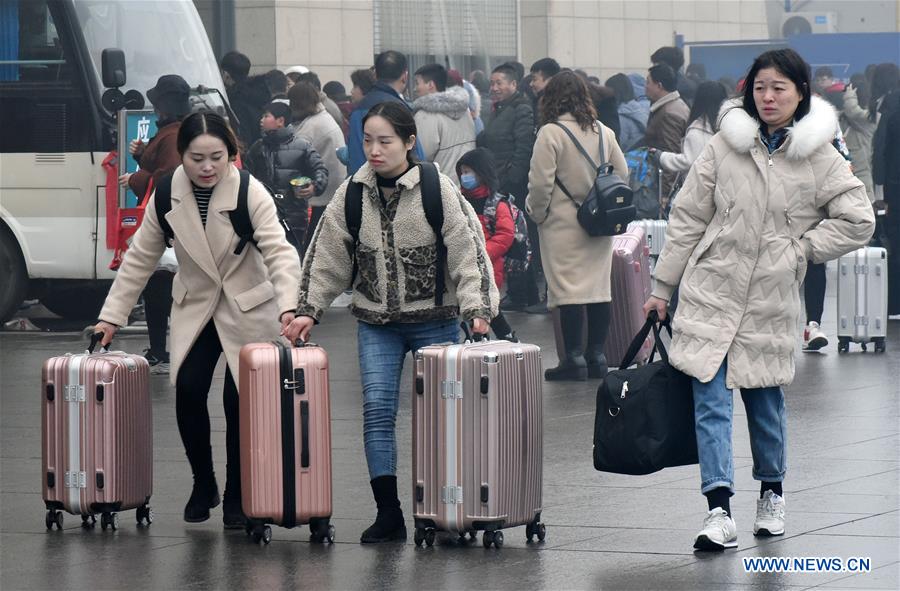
(133, 125)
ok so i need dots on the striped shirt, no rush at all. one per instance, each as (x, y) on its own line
(202, 196)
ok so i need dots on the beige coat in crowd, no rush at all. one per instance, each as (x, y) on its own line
(738, 240)
(577, 266)
(326, 137)
(244, 294)
(858, 133)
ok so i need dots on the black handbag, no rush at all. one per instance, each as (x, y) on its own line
(607, 210)
(645, 415)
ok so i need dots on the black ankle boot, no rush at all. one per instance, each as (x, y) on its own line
(232, 513)
(597, 368)
(204, 497)
(389, 525)
(572, 367)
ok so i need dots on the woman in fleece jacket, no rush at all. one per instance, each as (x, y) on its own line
(749, 216)
(394, 288)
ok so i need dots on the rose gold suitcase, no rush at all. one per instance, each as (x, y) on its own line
(285, 419)
(630, 290)
(96, 438)
(477, 440)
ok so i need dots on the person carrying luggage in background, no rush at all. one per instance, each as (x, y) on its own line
(480, 186)
(221, 299)
(745, 222)
(406, 293)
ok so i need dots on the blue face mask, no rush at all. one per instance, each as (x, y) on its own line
(468, 181)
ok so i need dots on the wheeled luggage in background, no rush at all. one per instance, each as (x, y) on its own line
(96, 437)
(862, 298)
(285, 426)
(655, 231)
(477, 440)
(630, 290)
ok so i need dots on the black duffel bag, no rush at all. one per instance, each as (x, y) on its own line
(645, 415)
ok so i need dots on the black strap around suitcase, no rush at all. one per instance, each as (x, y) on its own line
(293, 383)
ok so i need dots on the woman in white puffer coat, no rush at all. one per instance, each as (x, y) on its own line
(768, 193)
(701, 128)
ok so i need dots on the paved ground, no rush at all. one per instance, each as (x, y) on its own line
(604, 531)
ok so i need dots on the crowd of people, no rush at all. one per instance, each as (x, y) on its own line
(516, 153)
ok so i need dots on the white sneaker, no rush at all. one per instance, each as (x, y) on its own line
(769, 515)
(813, 337)
(719, 532)
(160, 369)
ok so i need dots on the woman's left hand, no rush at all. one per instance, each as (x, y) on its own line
(480, 326)
(286, 320)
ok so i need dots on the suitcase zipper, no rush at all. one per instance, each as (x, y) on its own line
(624, 390)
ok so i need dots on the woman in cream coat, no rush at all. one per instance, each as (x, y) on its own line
(577, 266)
(767, 194)
(221, 300)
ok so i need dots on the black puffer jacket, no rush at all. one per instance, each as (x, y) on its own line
(886, 143)
(509, 135)
(281, 156)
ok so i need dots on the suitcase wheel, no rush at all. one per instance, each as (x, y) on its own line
(424, 535)
(88, 521)
(261, 533)
(321, 531)
(536, 529)
(54, 517)
(143, 514)
(879, 345)
(492, 537)
(843, 345)
(109, 520)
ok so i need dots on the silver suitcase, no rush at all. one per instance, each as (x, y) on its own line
(862, 292)
(655, 230)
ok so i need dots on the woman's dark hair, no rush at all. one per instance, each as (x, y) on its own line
(480, 81)
(567, 93)
(400, 118)
(788, 63)
(481, 161)
(364, 78)
(206, 122)
(604, 99)
(861, 84)
(622, 86)
(885, 79)
(304, 100)
(707, 102)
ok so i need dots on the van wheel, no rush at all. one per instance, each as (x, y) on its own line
(12, 269)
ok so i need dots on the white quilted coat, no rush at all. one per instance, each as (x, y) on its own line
(738, 240)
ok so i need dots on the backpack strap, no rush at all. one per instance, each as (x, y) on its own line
(240, 216)
(433, 203)
(162, 203)
(353, 218)
(584, 153)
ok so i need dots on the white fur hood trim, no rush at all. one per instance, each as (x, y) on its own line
(818, 127)
(453, 102)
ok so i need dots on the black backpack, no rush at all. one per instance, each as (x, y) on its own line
(432, 202)
(240, 216)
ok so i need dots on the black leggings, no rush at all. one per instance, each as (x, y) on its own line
(814, 292)
(191, 391)
(157, 308)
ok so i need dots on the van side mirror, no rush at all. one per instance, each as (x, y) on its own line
(113, 65)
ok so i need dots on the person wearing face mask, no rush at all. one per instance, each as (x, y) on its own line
(768, 193)
(395, 287)
(478, 179)
(221, 300)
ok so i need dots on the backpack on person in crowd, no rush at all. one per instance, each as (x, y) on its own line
(432, 202)
(607, 209)
(643, 178)
(518, 257)
(240, 216)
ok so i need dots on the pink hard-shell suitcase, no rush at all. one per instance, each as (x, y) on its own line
(96, 437)
(630, 290)
(477, 440)
(285, 419)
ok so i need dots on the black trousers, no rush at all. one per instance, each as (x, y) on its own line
(892, 230)
(157, 309)
(191, 392)
(522, 288)
(814, 292)
(297, 217)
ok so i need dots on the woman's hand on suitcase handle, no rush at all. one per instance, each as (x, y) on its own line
(480, 326)
(108, 330)
(286, 319)
(658, 304)
(299, 328)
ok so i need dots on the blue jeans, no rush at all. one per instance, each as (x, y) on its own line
(767, 422)
(382, 349)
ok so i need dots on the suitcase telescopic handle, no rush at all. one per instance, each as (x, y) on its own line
(95, 340)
